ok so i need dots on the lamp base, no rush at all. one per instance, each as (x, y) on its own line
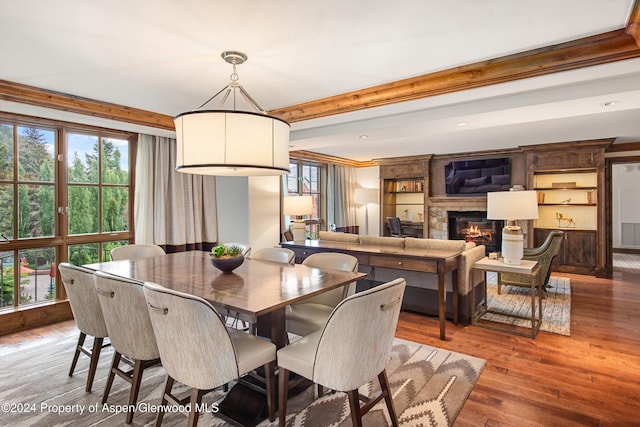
(512, 245)
(298, 230)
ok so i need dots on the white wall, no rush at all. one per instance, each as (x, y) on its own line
(232, 203)
(625, 199)
(369, 178)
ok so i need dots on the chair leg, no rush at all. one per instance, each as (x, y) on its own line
(93, 365)
(194, 405)
(269, 371)
(354, 404)
(81, 339)
(167, 390)
(283, 385)
(386, 390)
(112, 374)
(136, 379)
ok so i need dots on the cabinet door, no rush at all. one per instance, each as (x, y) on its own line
(580, 248)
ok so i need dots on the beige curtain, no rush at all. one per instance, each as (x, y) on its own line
(341, 186)
(174, 210)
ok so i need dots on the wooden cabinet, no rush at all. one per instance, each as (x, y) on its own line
(577, 251)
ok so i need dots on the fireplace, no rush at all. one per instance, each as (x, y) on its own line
(473, 226)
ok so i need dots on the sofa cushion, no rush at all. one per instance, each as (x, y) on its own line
(382, 241)
(339, 237)
(452, 245)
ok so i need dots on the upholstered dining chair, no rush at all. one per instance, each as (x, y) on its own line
(544, 254)
(136, 251)
(283, 255)
(78, 283)
(395, 226)
(197, 350)
(352, 348)
(130, 331)
(309, 315)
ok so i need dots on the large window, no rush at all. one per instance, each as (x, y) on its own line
(309, 179)
(52, 210)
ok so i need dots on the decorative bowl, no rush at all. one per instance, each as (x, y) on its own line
(227, 264)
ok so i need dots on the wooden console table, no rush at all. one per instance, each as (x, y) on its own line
(530, 269)
(440, 262)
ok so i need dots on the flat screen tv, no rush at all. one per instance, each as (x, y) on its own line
(475, 177)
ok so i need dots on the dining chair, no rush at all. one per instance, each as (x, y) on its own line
(352, 348)
(130, 331)
(310, 314)
(283, 255)
(136, 251)
(197, 350)
(78, 283)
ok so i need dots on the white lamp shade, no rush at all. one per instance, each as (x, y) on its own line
(298, 205)
(363, 196)
(230, 143)
(512, 205)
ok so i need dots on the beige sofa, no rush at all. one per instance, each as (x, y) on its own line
(421, 291)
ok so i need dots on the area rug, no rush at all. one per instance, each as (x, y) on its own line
(429, 385)
(556, 307)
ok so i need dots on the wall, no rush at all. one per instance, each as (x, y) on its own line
(369, 178)
(626, 205)
(232, 200)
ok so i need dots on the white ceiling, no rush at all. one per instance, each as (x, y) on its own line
(164, 56)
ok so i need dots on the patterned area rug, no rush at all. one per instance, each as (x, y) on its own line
(430, 386)
(556, 308)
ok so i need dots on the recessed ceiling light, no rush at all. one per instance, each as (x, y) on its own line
(609, 103)
(462, 123)
(364, 136)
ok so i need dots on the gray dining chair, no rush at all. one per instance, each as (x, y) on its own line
(352, 348)
(130, 331)
(197, 350)
(137, 251)
(282, 255)
(78, 283)
(310, 314)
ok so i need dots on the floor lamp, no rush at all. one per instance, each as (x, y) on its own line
(512, 206)
(297, 207)
(364, 196)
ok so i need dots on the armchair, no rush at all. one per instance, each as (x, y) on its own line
(544, 254)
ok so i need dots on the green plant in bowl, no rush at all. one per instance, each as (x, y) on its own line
(226, 258)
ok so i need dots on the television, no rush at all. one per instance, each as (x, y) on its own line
(476, 177)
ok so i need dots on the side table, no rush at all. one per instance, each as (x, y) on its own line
(531, 270)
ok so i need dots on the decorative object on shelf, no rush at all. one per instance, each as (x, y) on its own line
(563, 184)
(406, 214)
(420, 216)
(297, 207)
(589, 197)
(226, 258)
(566, 202)
(232, 142)
(540, 197)
(561, 217)
(512, 206)
(364, 196)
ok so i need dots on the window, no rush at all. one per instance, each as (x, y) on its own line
(50, 213)
(307, 178)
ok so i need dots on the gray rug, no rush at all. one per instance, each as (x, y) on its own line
(556, 308)
(430, 386)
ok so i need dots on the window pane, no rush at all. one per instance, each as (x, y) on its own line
(6, 210)
(115, 201)
(37, 277)
(36, 149)
(84, 254)
(6, 152)
(82, 158)
(115, 161)
(6, 279)
(83, 209)
(292, 179)
(36, 217)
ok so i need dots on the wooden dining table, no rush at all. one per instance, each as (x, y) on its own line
(260, 289)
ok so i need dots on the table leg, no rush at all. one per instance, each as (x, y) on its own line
(454, 293)
(442, 301)
(274, 327)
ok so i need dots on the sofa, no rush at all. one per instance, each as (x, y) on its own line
(421, 292)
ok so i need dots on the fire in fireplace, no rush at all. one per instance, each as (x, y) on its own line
(473, 226)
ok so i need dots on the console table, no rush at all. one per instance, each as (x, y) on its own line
(529, 269)
(440, 262)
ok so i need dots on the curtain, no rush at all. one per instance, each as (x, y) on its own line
(174, 210)
(341, 186)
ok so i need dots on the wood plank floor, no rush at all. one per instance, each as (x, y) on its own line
(591, 378)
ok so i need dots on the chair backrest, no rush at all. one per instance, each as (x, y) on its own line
(137, 251)
(125, 313)
(195, 347)
(545, 253)
(336, 261)
(283, 255)
(395, 227)
(78, 282)
(356, 341)
(246, 249)
(287, 236)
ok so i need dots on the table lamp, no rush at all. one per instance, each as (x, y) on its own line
(512, 206)
(364, 196)
(297, 207)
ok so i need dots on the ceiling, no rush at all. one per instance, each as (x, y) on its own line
(164, 56)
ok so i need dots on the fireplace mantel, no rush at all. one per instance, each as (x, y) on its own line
(457, 202)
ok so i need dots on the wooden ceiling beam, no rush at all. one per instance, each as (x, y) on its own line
(633, 26)
(585, 52)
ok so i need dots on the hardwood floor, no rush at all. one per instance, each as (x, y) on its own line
(591, 378)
